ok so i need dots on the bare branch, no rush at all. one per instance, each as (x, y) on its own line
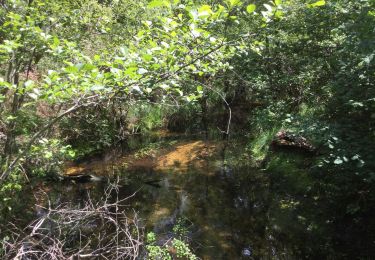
(96, 230)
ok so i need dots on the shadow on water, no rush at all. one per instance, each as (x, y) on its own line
(234, 211)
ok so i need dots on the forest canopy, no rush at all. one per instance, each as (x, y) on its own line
(78, 77)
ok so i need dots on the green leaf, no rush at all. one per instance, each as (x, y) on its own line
(204, 10)
(130, 71)
(279, 14)
(71, 153)
(233, 3)
(88, 67)
(278, 2)
(71, 69)
(190, 98)
(268, 7)
(360, 163)
(251, 8)
(56, 41)
(48, 155)
(165, 86)
(97, 87)
(33, 96)
(10, 118)
(29, 84)
(158, 3)
(338, 161)
(179, 91)
(318, 3)
(142, 71)
(147, 57)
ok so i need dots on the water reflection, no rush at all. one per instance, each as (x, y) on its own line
(225, 205)
(234, 211)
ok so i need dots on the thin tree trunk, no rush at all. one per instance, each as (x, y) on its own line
(10, 137)
(9, 169)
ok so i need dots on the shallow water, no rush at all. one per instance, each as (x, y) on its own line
(227, 210)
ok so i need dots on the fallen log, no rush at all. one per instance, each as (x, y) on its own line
(285, 140)
(82, 178)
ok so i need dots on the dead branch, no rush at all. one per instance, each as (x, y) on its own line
(97, 230)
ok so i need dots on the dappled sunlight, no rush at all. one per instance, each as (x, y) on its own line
(159, 213)
(74, 170)
(185, 154)
(179, 156)
(225, 129)
(96, 167)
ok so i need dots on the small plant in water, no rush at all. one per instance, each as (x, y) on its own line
(180, 228)
(156, 252)
(183, 250)
(177, 249)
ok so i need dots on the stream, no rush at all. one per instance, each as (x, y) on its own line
(227, 210)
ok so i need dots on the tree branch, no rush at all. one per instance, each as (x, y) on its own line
(9, 169)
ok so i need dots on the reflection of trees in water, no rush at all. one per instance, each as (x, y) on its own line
(228, 209)
(310, 215)
(235, 210)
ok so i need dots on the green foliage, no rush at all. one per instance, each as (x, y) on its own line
(133, 67)
(157, 252)
(180, 228)
(151, 237)
(259, 146)
(176, 41)
(177, 247)
(184, 119)
(318, 3)
(48, 156)
(146, 117)
(250, 8)
(182, 250)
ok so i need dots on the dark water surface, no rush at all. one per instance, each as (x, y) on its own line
(228, 210)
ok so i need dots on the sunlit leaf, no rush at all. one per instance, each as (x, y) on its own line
(157, 3)
(250, 8)
(33, 96)
(142, 71)
(204, 10)
(338, 161)
(318, 3)
(71, 69)
(97, 87)
(233, 3)
(268, 7)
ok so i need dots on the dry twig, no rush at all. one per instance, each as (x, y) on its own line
(95, 231)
